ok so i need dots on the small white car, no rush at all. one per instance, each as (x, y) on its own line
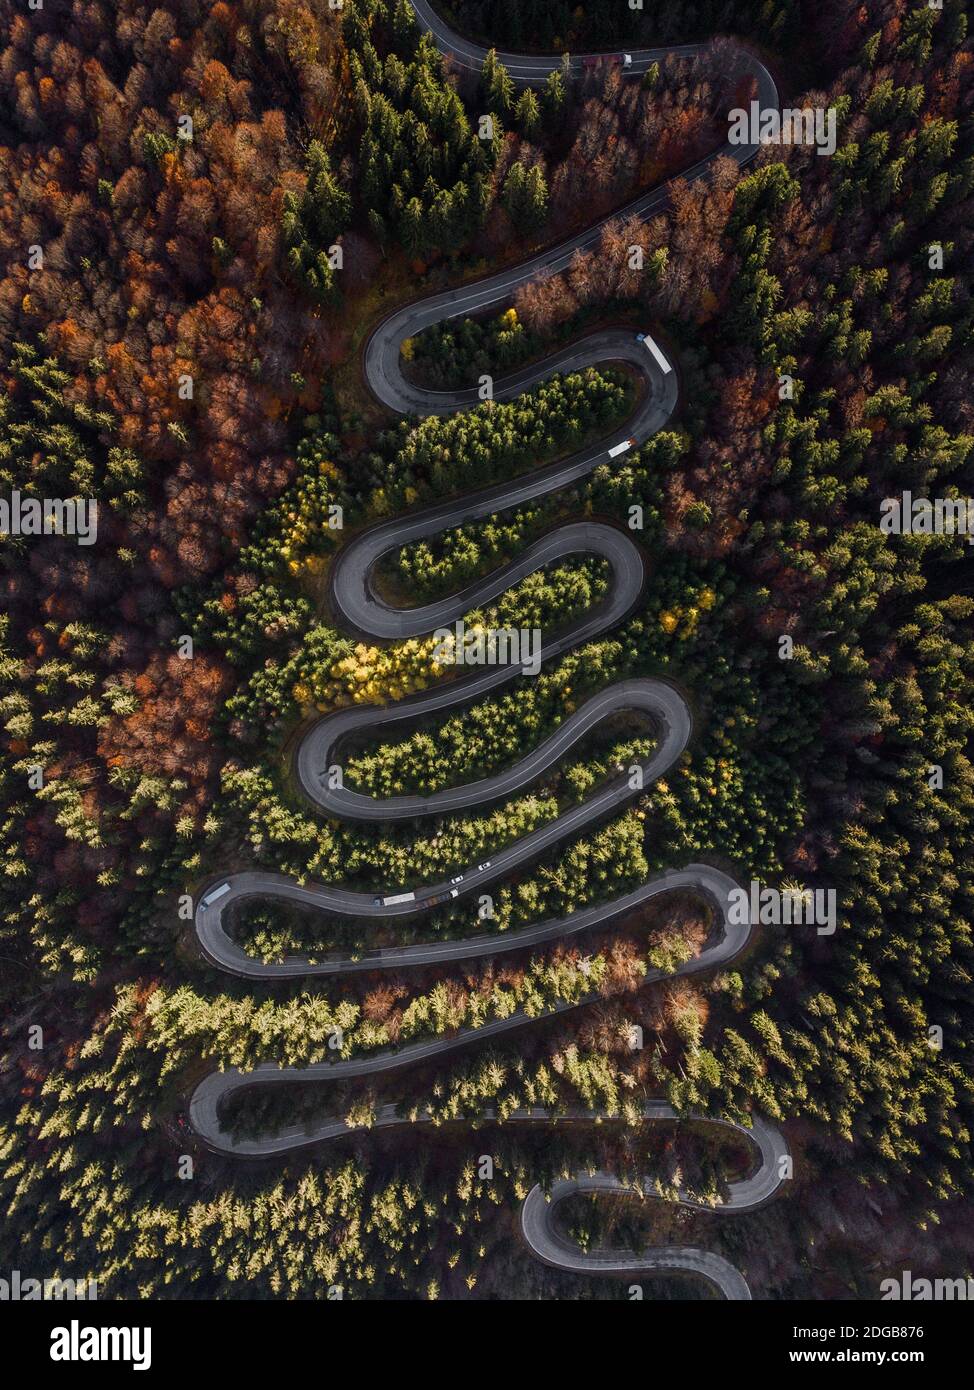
(482, 867)
(458, 879)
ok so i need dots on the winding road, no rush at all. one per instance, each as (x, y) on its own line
(360, 608)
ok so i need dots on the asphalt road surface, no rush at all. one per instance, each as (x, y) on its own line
(361, 609)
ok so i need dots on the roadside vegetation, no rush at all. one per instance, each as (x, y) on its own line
(822, 310)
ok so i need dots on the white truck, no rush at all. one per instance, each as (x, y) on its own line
(654, 351)
(622, 448)
(215, 893)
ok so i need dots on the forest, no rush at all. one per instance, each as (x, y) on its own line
(186, 351)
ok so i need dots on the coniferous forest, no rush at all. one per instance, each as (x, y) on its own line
(180, 342)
